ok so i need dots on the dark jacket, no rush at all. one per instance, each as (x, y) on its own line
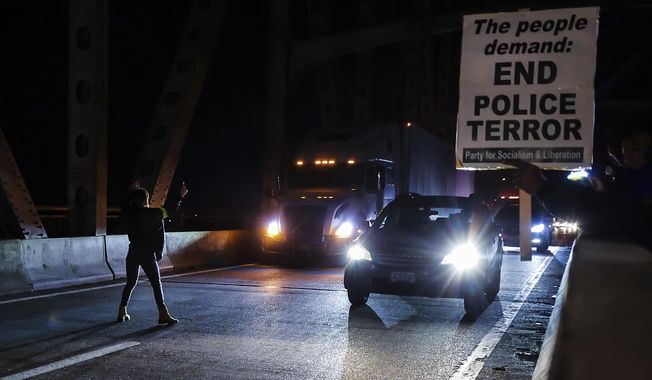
(145, 230)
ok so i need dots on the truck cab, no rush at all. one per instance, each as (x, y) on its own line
(336, 183)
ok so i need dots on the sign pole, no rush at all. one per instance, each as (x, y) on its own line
(525, 224)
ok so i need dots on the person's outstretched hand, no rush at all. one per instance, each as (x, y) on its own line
(183, 191)
(527, 177)
(613, 154)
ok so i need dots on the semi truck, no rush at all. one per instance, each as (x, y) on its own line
(337, 181)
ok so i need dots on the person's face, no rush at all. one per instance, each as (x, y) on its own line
(634, 155)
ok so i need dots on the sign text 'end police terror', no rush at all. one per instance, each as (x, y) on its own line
(508, 73)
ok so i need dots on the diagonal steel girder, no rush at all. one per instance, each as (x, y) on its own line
(13, 186)
(181, 91)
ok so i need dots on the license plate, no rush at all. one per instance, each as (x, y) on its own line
(403, 277)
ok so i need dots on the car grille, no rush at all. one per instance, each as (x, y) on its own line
(404, 258)
(305, 222)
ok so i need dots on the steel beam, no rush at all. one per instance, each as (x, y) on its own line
(634, 60)
(308, 55)
(320, 22)
(276, 100)
(419, 99)
(172, 117)
(17, 195)
(87, 115)
(363, 70)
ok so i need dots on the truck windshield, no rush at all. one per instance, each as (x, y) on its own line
(345, 175)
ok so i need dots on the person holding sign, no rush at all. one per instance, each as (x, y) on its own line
(624, 210)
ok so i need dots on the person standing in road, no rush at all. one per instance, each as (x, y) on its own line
(146, 232)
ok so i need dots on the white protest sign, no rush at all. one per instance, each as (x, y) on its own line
(526, 89)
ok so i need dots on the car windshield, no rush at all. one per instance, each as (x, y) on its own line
(339, 175)
(420, 213)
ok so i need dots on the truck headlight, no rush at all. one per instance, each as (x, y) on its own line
(273, 228)
(358, 252)
(344, 230)
(538, 228)
(463, 257)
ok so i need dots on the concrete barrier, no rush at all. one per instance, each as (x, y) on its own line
(116, 253)
(13, 276)
(187, 250)
(55, 263)
(602, 330)
(37, 264)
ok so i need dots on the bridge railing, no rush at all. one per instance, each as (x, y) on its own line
(56, 221)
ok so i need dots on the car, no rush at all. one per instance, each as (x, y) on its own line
(541, 229)
(433, 246)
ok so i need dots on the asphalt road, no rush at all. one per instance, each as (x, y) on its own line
(262, 322)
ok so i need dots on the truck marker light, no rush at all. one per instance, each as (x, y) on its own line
(299, 163)
(318, 162)
(350, 162)
(331, 162)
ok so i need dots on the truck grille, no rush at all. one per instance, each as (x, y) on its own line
(305, 222)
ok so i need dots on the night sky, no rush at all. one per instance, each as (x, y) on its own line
(222, 158)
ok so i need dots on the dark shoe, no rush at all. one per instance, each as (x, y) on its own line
(122, 314)
(164, 317)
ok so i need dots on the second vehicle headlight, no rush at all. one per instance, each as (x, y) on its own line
(538, 228)
(463, 257)
(358, 252)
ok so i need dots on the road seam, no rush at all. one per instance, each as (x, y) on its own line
(473, 364)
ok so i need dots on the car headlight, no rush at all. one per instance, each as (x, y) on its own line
(273, 228)
(538, 228)
(344, 230)
(358, 252)
(463, 257)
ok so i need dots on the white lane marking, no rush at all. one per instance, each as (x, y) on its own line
(114, 285)
(208, 270)
(472, 366)
(70, 361)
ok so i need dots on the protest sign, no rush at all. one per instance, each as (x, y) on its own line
(526, 89)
